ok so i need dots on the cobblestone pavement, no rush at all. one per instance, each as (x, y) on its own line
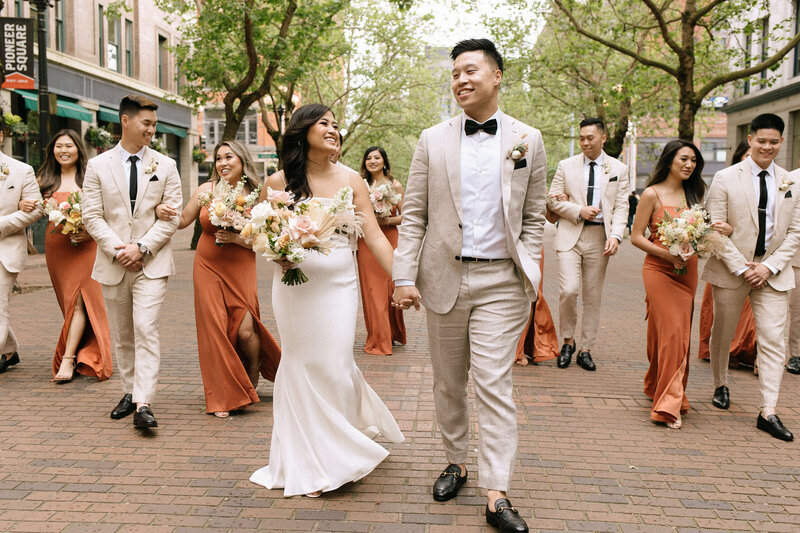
(589, 458)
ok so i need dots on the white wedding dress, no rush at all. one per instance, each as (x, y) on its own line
(326, 416)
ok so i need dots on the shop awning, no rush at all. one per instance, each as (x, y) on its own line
(64, 108)
(108, 115)
(175, 130)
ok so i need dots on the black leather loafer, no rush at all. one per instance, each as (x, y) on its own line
(565, 357)
(505, 518)
(722, 398)
(144, 418)
(124, 407)
(773, 425)
(6, 362)
(446, 487)
(793, 366)
(585, 361)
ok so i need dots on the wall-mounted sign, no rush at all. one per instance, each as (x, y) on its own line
(16, 52)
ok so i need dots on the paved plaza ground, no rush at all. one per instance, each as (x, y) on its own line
(589, 457)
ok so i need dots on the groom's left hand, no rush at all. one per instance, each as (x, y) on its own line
(128, 254)
(756, 276)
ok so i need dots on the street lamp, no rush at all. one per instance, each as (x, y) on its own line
(281, 110)
(44, 102)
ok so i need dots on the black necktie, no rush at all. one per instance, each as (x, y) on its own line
(762, 214)
(590, 191)
(490, 127)
(133, 181)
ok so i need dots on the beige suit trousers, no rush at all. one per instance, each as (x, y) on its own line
(769, 310)
(134, 307)
(8, 341)
(582, 270)
(480, 333)
(794, 315)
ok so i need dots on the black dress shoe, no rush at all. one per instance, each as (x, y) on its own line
(446, 487)
(793, 366)
(773, 425)
(585, 361)
(6, 362)
(123, 408)
(722, 398)
(565, 357)
(505, 518)
(144, 418)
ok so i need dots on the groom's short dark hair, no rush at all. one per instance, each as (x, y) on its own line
(593, 121)
(767, 121)
(478, 45)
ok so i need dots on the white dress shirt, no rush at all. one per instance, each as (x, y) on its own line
(597, 196)
(755, 170)
(483, 231)
(126, 165)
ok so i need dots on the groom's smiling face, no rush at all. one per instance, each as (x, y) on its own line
(475, 82)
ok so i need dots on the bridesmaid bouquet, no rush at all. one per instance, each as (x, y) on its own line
(690, 233)
(383, 197)
(228, 207)
(278, 231)
(65, 216)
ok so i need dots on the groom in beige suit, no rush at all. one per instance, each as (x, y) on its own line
(469, 249)
(121, 189)
(760, 201)
(17, 182)
(590, 230)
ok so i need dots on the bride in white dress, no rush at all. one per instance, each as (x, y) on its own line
(326, 416)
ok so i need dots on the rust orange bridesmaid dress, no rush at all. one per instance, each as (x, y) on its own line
(670, 303)
(225, 288)
(70, 269)
(383, 322)
(539, 338)
(743, 345)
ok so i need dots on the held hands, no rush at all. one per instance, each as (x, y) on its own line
(677, 261)
(228, 237)
(382, 221)
(129, 256)
(406, 296)
(588, 212)
(165, 212)
(612, 245)
(723, 228)
(27, 206)
(757, 275)
(81, 236)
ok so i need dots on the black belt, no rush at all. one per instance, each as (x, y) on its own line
(592, 223)
(478, 259)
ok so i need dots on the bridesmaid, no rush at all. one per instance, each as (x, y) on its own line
(676, 182)
(743, 345)
(70, 259)
(232, 344)
(384, 323)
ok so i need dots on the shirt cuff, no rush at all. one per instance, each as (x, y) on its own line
(403, 283)
(741, 271)
(617, 237)
(773, 269)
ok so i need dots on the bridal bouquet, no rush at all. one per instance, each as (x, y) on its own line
(228, 207)
(690, 233)
(65, 216)
(278, 232)
(383, 197)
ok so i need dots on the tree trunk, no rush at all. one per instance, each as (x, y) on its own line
(233, 119)
(613, 145)
(686, 116)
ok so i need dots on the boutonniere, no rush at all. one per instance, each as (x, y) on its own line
(606, 168)
(785, 184)
(152, 168)
(3, 171)
(517, 152)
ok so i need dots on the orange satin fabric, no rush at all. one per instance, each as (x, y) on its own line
(384, 323)
(670, 303)
(225, 288)
(743, 345)
(539, 336)
(70, 269)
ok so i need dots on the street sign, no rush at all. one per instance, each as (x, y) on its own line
(16, 52)
(266, 155)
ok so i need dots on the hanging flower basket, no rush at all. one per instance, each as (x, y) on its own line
(199, 155)
(158, 145)
(15, 127)
(99, 138)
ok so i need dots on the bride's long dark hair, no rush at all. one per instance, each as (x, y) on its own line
(295, 147)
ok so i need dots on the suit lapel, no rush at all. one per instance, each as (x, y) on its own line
(509, 136)
(452, 155)
(144, 179)
(746, 182)
(781, 222)
(116, 169)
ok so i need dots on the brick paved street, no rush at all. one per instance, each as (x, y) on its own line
(589, 458)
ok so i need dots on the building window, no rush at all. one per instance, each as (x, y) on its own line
(248, 131)
(129, 48)
(100, 40)
(112, 47)
(713, 150)
(61, 37)
(748, 44)
(764, 44)
(213, 129)
(18, 8)
(162, 62)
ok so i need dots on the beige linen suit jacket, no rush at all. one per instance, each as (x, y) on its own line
(429, 246)
(109, 220)
(569, 180)
(732, 199)
(18, 184)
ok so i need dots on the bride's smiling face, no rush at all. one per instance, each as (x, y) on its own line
(324, 135)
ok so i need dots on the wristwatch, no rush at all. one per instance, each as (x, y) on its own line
(142, 248)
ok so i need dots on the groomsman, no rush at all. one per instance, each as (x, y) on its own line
(17, 182)
(793, 366)
(592, 224)
(121, 189)
(470, 244)
(759, 200)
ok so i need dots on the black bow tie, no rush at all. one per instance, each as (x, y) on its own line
(490, 126)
